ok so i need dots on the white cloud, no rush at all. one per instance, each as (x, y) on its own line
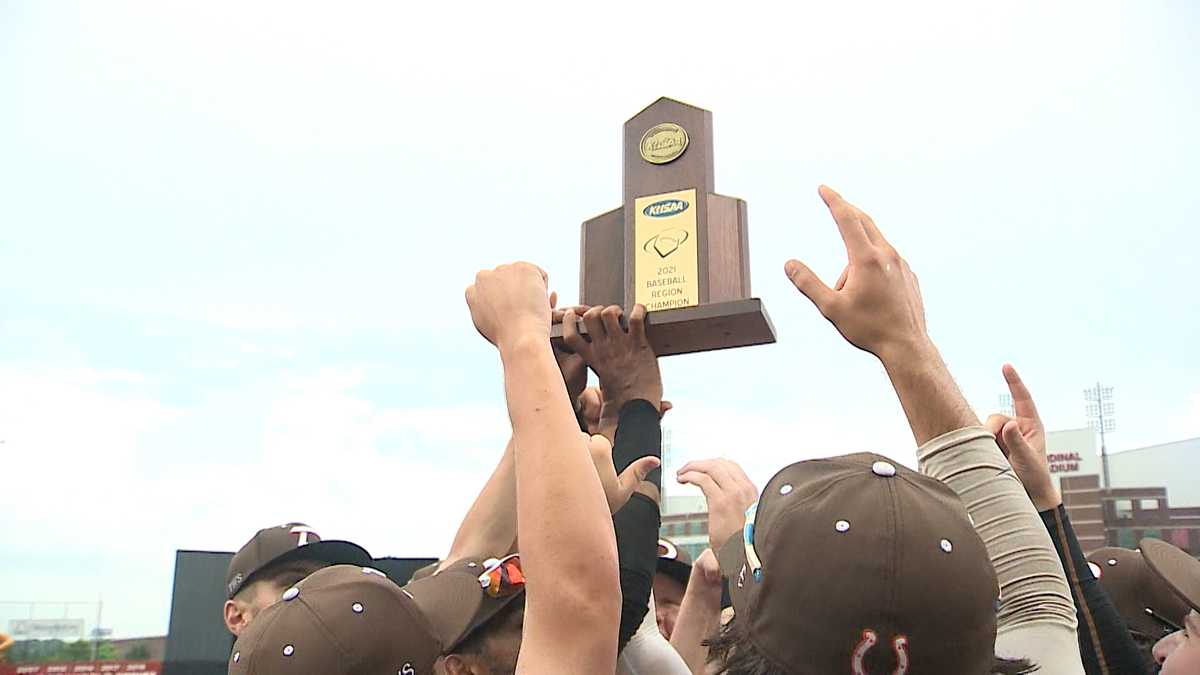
(79, 489)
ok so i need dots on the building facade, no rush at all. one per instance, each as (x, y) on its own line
(685, 522)
(1124, 516)
(1155, 493)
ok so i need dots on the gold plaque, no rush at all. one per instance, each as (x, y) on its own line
(665, 257)
(663, 143)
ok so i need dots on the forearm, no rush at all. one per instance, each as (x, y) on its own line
(490, 526)
(699, 618)
(638, 434)
(563, 520)
(636, 526)
(1036, 616)
(928, 393)
(1104, 642)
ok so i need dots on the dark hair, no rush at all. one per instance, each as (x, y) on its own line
(476, 642)
(737, 655)
(1145, 646)
(284, 575)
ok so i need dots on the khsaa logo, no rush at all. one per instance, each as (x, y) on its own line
(665, 207)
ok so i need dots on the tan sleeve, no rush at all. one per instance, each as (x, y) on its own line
(1036, 618)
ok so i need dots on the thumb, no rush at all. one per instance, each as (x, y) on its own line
(1016, 443)
(807, 283)
(708, 566)
(637, 472)
(995, 424)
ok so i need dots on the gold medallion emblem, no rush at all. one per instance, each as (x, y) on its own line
(663, 143)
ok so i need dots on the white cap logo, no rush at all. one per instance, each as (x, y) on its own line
(302, 532)
(668, 550)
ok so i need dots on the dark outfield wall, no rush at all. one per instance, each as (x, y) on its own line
(197, 642)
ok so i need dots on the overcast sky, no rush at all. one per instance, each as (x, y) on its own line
(234, 239)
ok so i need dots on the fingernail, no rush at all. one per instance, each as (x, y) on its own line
(790, 267)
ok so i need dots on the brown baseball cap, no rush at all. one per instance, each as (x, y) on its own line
(857, 561)
(1137, 592)
(1177, 568)
(674, 562)
(351, 620)
(287, 543)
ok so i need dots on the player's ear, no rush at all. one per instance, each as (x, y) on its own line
(236, 617)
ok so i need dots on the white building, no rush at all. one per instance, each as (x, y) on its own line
(1175, 466)
(1073, 452)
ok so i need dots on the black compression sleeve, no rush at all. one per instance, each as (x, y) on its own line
(636, 525)
(1104, 642)
(639, 434)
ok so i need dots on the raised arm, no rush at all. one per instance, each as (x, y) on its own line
(1105, 643)
(490, 527)
(877, 306)
(563, 519)
(700, 613)
(631, 383)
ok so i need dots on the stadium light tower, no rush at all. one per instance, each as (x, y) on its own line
(1006, 405)
(1101, 414)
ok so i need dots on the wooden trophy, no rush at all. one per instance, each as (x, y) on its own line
(675, 246)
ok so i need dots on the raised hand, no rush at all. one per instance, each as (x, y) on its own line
(620, 355)
(510, 302)
(876, 304)
(618, 489)
(572, 365)
(1023, 441)
(728, 491)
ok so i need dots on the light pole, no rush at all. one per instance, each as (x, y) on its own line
(1101, 414)
(1006, 405)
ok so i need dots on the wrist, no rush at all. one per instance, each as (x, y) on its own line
(915, 352)
(1046, 500)
(619, 395)
(523, 344)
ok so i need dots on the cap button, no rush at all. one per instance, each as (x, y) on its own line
(885, 469)
(842, 526)
(290, 594)
(1112, 562)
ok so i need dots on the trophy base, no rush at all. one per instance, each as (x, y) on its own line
(703, 328)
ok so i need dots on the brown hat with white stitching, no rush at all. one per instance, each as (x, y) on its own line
(856, 564)
(1176, 567)
(283, 544)
(351, 620)
(1146, 603)
(674, 562)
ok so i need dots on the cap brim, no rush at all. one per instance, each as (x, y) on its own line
(676, 569)
(732, 559)
(334, 552)
(454, 604)
(1179, 569)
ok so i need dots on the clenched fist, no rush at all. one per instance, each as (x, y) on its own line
(510, 302)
